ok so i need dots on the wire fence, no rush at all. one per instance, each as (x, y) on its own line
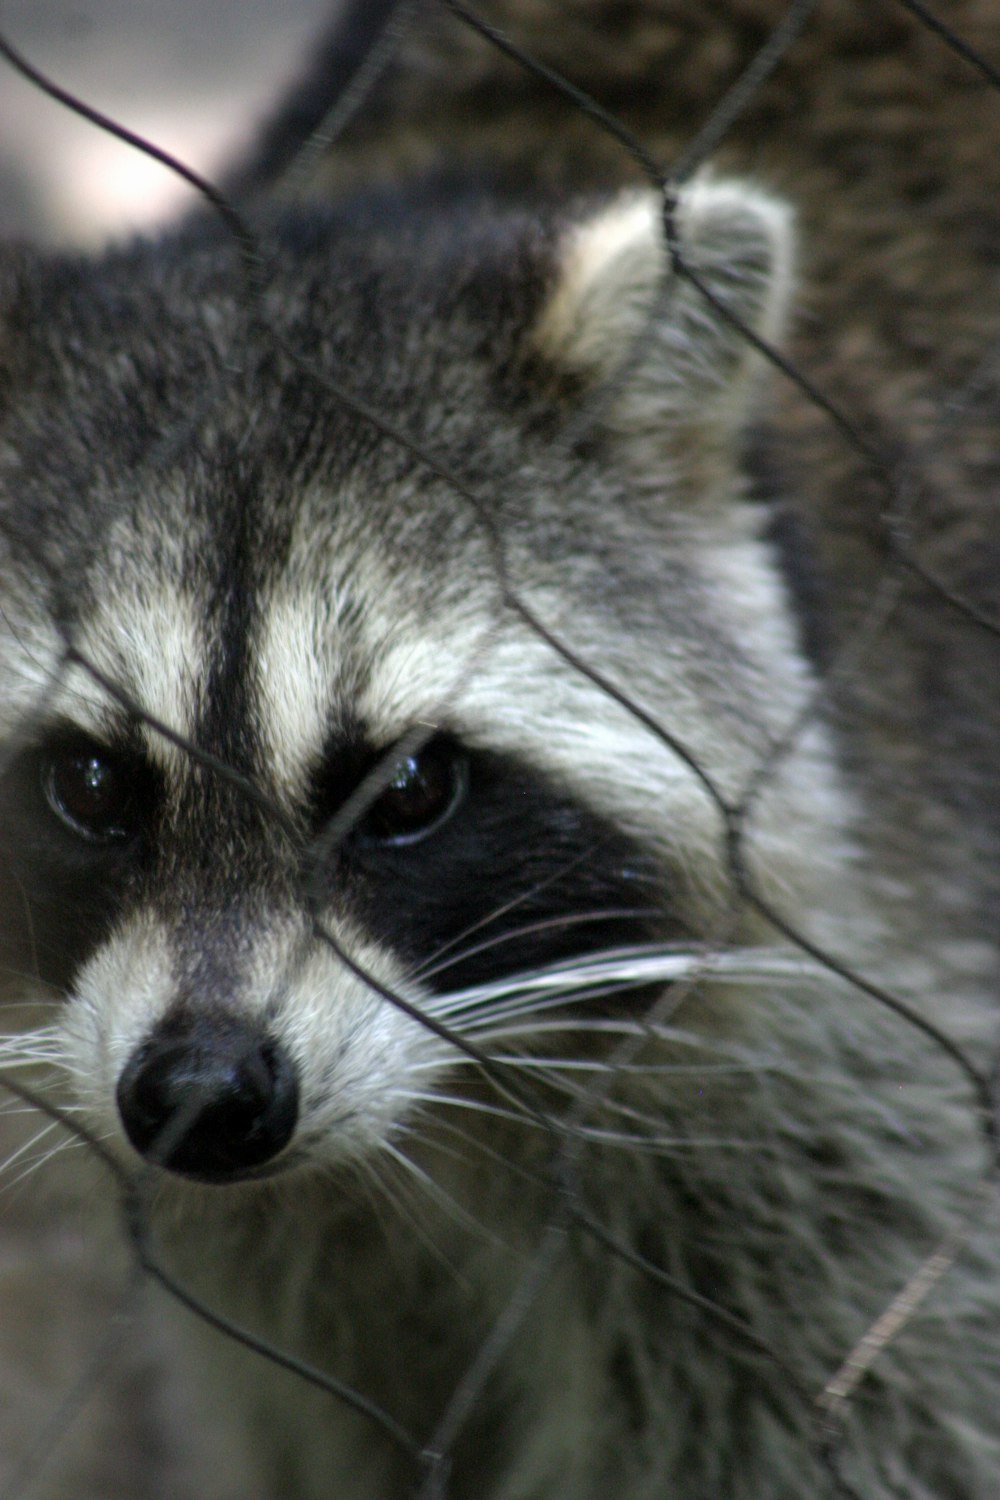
(707, 1213)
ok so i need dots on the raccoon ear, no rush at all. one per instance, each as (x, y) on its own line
(619, 308)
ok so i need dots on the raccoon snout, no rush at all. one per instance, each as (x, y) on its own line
(209, 1097)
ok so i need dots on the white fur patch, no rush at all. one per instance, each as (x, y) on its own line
(297, 688)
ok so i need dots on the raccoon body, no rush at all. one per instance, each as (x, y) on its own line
(426, 865)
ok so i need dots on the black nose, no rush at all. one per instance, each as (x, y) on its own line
(210, 1097)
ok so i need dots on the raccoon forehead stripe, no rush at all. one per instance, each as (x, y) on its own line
(297, 689)
(315, 639)
(331, 651)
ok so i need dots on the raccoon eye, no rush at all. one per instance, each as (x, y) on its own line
(92, 790)
(425, 790)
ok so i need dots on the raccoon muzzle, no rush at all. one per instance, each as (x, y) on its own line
(209, 1098)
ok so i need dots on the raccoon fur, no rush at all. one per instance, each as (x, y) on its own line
(436, 875)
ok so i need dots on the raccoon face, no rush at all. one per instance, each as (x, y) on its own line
(296, 796)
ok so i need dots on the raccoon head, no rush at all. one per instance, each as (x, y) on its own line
(303, 779)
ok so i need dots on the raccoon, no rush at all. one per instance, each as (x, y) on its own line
(434, 882)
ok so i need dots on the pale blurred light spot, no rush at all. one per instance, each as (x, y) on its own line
(91, 187)
(106, 188)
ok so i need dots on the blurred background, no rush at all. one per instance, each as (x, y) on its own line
(193, 75)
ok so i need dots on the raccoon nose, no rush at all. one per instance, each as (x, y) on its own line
(209, 1098)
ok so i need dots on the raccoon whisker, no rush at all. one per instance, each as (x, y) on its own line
(648, 1143)
(498, 1031)
(560, 1003)
(30, 932)
(627, 967)
(473, 1106)
(15, 1106)
(537, 1118)
(507, 1003)
(480, 1107)
(419, 1177)
(563, 1007)
(557, 1073)
(470, 1139)
(29, 977)
(504, 1002)
(505, 1162)
(652, 1144)
(28, 1146)
(33, 1058)
(529, 1007)
(26, 991)
(608, 1105)
(44, 1130)
(529, 1061)
(395, 1194)
(10, 1006)
(737, 1067)
(430, 966)
(648, 1135)
(36, 1034)
(555, 1020)
(545, 924)
(15, 1054)
(38, 1163)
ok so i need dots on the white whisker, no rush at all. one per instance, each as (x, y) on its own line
(531, 1062)
(444, 1202)
(16, 1106)
(727, 1059)
(67, 1143)
(529, 929)
(628, 968)
(648, 1136)
(433, 964)
(35, 1163)
(27, 1048)
(474, 1106)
